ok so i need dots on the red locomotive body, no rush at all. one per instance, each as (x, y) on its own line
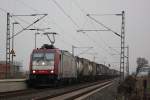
(44, 65)
(50, 66)
(45, 61)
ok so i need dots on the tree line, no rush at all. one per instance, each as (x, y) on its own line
(141, 62)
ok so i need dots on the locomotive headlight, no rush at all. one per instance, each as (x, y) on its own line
(33, 71)
(52, 71)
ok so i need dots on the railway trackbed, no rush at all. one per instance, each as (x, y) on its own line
(55, 93)
(78, 93)
(17, 93)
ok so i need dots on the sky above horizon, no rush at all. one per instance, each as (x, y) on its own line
(65, 17)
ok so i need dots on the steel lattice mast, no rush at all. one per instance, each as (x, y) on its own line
(7, 45)
(122, 36)
(122, 55)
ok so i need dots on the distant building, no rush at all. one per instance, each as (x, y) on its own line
(12, 71)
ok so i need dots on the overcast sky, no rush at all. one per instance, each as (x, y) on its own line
(67, 16)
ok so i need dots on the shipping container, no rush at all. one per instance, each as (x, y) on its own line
(86, 67)
(79, 62)
(93, 68)
(68, 65)
(98, 69)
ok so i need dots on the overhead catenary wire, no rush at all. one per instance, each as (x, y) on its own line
(51, 18)
(68, 15)
(73, 38)
(60, 8)
(105, 41)
(104, 14)
(109, 54)
(23, 21)
(103, 25)
(26, 22)
(25, 4)
(29, 26)
(32, 8)
(84, 13)
(95, 42)
(71, 19)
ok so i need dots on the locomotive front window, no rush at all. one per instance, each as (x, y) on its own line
(43, 56)
(38, 56)
(42, 61)
(49, 56)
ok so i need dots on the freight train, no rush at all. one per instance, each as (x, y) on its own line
(50, 65)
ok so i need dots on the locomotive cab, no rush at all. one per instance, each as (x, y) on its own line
(44, 64)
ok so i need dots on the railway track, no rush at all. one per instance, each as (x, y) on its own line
(77, 93)
(4, 95)
(12, 94)
(51, 93)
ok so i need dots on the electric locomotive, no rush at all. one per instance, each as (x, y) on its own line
(50, 65)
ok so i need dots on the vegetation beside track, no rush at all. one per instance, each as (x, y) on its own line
(127, 89)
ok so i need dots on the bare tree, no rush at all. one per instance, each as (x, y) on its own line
(141, 62)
